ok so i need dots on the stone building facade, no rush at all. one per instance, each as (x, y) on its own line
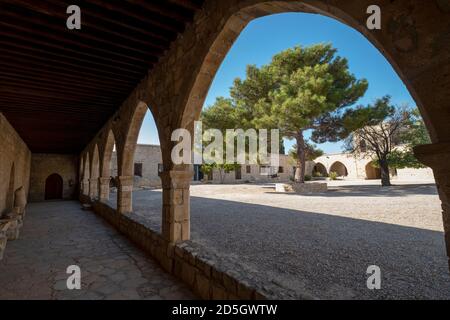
(148, 164)
(15, 161)
(360, 167)
(43, 166)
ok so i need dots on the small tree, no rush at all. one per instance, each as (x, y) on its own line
(221, 116)
(416, 134)
(379, 130)
(301, 89)
(311, 152)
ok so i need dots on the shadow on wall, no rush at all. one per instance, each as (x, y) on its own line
(323, 254)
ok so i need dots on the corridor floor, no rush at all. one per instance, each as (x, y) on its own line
(59, 234)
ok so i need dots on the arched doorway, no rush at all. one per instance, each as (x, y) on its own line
(319, 170)
(339, 168)
(53, 187)
(372, 172)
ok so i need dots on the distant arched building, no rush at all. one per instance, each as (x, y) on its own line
(361, 167)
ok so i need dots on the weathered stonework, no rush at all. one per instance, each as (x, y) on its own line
(4, 225)
(309, 187)
(15, 159)
(437, 156)
(43, 165)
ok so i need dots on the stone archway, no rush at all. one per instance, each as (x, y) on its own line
(54, 187)
(10, 193)
(339, 168)
(223, 25)
(125, 159)
(372, 172)
(95, 173)
(319, 170)
(106, 173)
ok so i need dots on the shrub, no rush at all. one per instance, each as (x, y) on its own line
(308, 178)
(333, 175)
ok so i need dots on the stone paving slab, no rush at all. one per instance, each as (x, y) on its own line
(58, 234)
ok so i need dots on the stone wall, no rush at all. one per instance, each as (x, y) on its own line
(43, 165)
(15, 160)
(149, 156)
(415, 174)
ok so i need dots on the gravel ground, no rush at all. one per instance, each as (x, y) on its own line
(321, 245)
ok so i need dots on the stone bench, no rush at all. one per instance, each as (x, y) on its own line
(309, 187)
(15, 223)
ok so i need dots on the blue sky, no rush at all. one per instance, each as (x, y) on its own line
(265, 37)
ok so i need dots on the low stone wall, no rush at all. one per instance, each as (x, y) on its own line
(206, 273)
(309, 187)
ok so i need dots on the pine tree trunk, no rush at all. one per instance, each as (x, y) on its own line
(385, 177)
(301, 158)
(221, 175)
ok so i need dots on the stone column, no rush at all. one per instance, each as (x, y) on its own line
(124, 194)
(93, 188)
(437, 157)
(85, 189)
(103, 188)
(176, 205)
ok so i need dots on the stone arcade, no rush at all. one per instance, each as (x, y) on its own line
(65, 114)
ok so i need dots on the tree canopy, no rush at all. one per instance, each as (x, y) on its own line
(302, 88)
(386, 132)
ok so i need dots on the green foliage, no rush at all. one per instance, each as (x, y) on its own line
(207, 168)
(333, 175)
(387, 133)
(302, 88)
(308, 177)
(312, 152)
(317, 174)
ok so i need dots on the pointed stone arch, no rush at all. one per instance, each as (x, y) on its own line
(86, 174)
(320, 169)
(94, 172)
(9, 201)
(339, 168)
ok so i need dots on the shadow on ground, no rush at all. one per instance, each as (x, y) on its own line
(371, 191)
(318, 254)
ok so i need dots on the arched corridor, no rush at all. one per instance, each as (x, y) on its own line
(70, 113)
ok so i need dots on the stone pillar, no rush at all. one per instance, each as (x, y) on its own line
(437, 157)
(124, 194)
(176, 205)
(93, 188)
(103, 188)
(85, 184)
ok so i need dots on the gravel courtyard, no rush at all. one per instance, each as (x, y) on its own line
(321, 245)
